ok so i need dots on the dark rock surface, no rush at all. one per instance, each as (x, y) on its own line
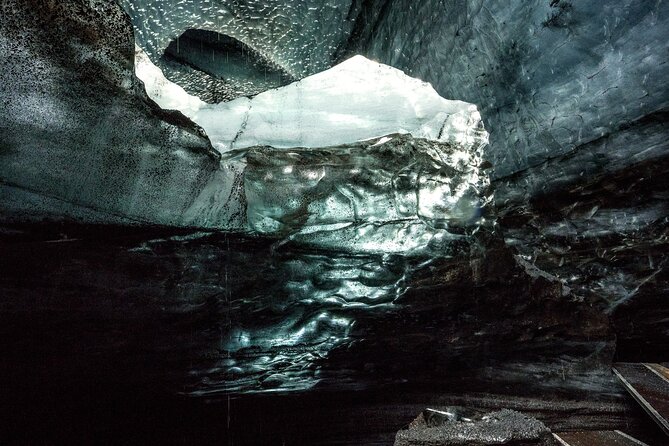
(604, 234)
(505, 427)
(489, 314)
(340, 321)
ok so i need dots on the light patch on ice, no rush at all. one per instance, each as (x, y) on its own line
(356, 100)
(383, 140)
(164, 92)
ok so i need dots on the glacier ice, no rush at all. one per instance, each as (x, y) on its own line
(355, 100)
(360, 156)
(216, 67)
(400, 164)
(393, 194)
(548, 76)
(164, 92)
(300, 37)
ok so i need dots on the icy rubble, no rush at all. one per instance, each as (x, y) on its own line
(360, 155)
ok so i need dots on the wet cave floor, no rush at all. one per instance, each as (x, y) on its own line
(125, 335)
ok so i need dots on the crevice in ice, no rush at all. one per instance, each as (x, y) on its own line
(45, 202)
(242, 127)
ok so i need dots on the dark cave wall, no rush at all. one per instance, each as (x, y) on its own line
(81, 140)
(79, 137)
(548, 75)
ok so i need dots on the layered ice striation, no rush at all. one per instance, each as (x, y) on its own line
(360, 156)
(79, 138)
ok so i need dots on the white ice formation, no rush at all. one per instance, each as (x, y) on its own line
(356, 100)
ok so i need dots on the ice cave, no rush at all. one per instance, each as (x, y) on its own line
(334, 222)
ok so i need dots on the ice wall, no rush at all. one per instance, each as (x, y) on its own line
(82, 140)
(359, 157)
(79, 137)
(548, 76)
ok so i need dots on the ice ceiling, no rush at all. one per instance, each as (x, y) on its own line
(547, 75)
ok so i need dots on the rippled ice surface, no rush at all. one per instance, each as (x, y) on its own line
(202, 313)
(214, 314)
(281, 320)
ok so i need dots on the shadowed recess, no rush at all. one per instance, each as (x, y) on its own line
(224, 66)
